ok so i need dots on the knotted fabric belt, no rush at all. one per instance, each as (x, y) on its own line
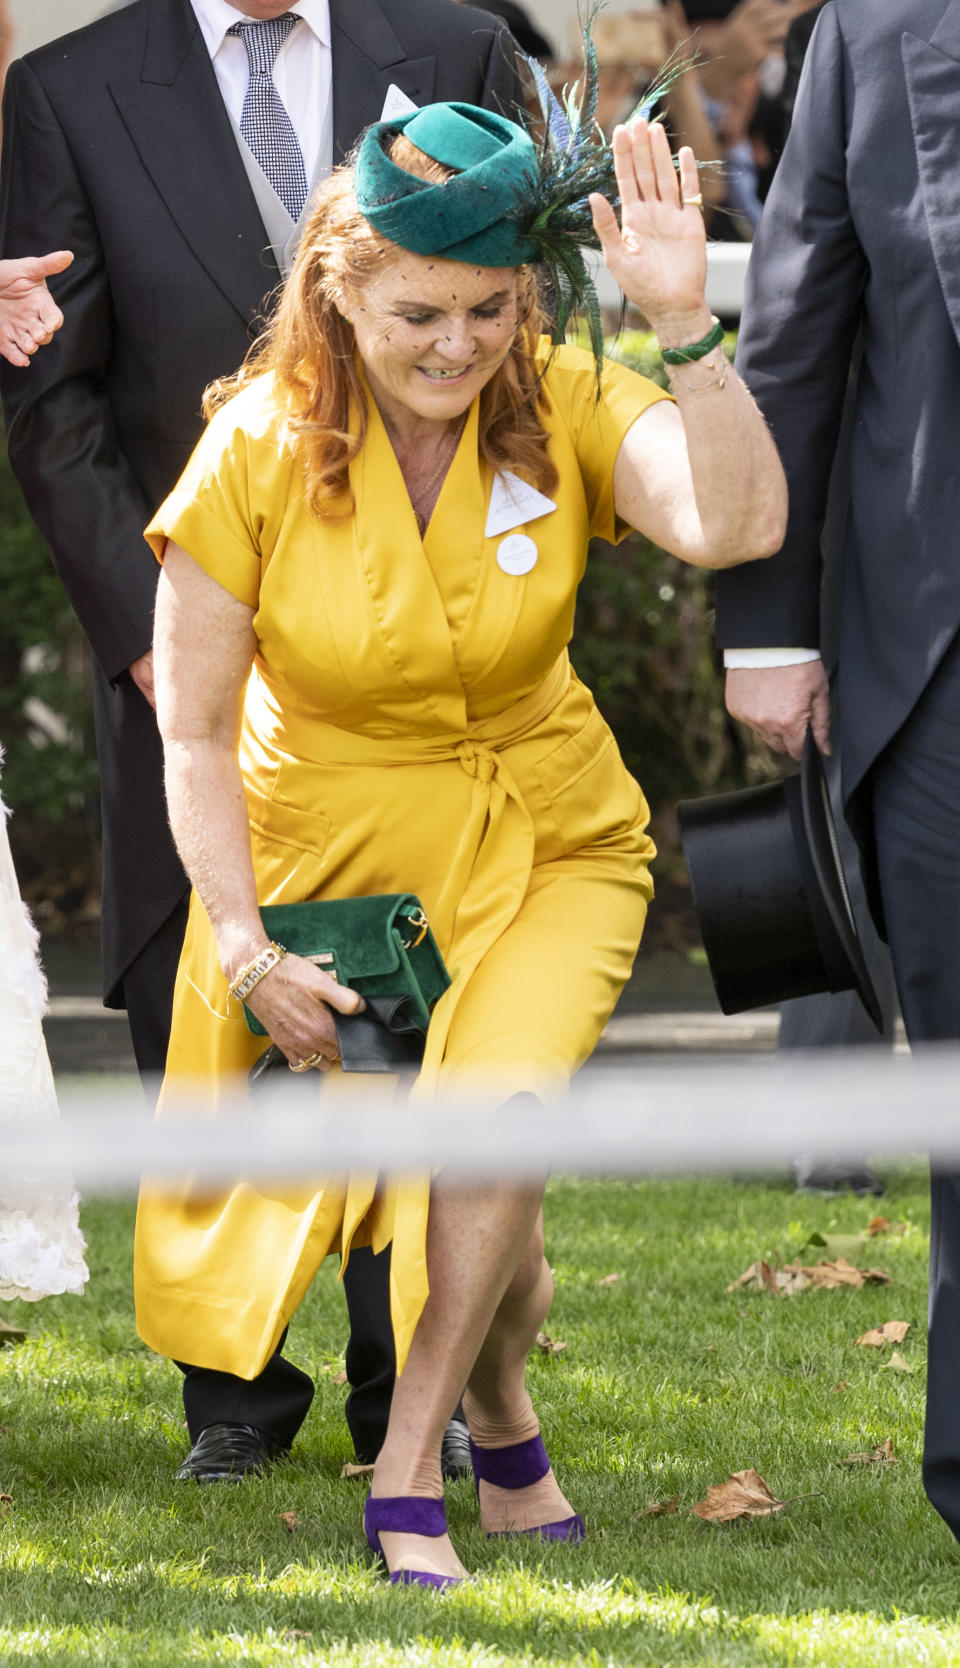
(490, 871)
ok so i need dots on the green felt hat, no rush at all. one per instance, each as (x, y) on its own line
(511, 200)
(476, 215)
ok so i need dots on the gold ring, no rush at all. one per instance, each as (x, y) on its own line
(307, 1064)
(695, 202)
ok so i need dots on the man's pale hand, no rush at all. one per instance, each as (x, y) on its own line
(29, 316)
(780, 703)
(750, 33)
(142, 674)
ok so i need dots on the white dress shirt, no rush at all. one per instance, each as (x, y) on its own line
(301, 72)
(752, 659)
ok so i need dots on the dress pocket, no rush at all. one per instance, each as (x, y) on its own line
(592, 794)
(288, 844)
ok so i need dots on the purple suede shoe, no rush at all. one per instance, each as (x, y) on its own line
(407, 1514)
(518, 1466)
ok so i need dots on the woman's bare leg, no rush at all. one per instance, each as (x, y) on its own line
(476, 1240)
(497, 1403)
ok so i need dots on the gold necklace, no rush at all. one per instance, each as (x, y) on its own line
(441, 469)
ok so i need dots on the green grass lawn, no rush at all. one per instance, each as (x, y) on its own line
(668, 1383)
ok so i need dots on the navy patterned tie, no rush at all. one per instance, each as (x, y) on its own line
(264, 122)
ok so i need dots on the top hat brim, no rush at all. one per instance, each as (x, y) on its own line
(830, 892)
(767, 881)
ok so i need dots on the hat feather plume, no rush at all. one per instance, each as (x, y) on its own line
(575, 160)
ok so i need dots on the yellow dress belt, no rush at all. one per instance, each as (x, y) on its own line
(490, 872)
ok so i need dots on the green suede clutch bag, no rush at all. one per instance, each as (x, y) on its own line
(381, 946)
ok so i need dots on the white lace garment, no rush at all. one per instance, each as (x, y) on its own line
(41, 1246)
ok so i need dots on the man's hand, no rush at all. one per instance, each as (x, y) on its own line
(753, 30)
(142, 674)
(28, 313)
(780, 703)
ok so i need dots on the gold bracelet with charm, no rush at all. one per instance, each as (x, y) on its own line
(249, 976)
(718, 381)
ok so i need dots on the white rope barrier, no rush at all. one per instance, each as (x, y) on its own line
(657, 1118)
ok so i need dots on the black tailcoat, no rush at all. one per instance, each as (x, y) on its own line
(117, 145)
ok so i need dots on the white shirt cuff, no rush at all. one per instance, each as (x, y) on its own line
(742, 659)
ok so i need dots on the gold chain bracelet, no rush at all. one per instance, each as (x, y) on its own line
(718, 381)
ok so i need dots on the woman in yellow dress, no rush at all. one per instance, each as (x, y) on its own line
(370, 569)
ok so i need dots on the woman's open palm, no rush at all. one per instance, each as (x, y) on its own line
(658, 252)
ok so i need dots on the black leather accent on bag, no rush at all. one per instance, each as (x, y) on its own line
(384, 1038)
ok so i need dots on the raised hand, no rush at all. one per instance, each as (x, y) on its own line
(658, 252)
(29, 316)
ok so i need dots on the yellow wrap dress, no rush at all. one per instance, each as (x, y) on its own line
(412, 723)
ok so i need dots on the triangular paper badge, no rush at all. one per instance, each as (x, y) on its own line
(396, 103)
(513, 503)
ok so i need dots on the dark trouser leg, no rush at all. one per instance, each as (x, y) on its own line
(148, 993)
(371, 1357)
(276, 1402)
(839, 1020)
(916, 812)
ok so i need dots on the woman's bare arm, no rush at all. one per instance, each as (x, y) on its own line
(701, 478)
(204, 645)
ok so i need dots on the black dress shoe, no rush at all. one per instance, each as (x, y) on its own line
(455, 1451)
(227, 1454)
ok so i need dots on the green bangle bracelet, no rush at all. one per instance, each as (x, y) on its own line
(696, 350)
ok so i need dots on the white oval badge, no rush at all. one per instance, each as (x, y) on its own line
(517, 554)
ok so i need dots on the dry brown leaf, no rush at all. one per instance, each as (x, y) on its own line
(765, 1277)
(759, 1276)
(897, 1364)
(841, 1273)
(891, 1332)
(550, 1346)
(290, 1521)
(339, 1378)
(801, 1277)
(744, 1494)
(835, 1388)
(883, 1454)
(661, 1508)
(350, 1470)
(608, 1280)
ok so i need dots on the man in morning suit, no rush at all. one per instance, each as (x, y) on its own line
(173, 146)
(859, 241)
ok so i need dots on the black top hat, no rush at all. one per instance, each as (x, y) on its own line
(699, 11)
(770, 893)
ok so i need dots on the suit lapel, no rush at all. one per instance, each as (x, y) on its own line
(367, 57)
(932, 74)
(172, 107)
